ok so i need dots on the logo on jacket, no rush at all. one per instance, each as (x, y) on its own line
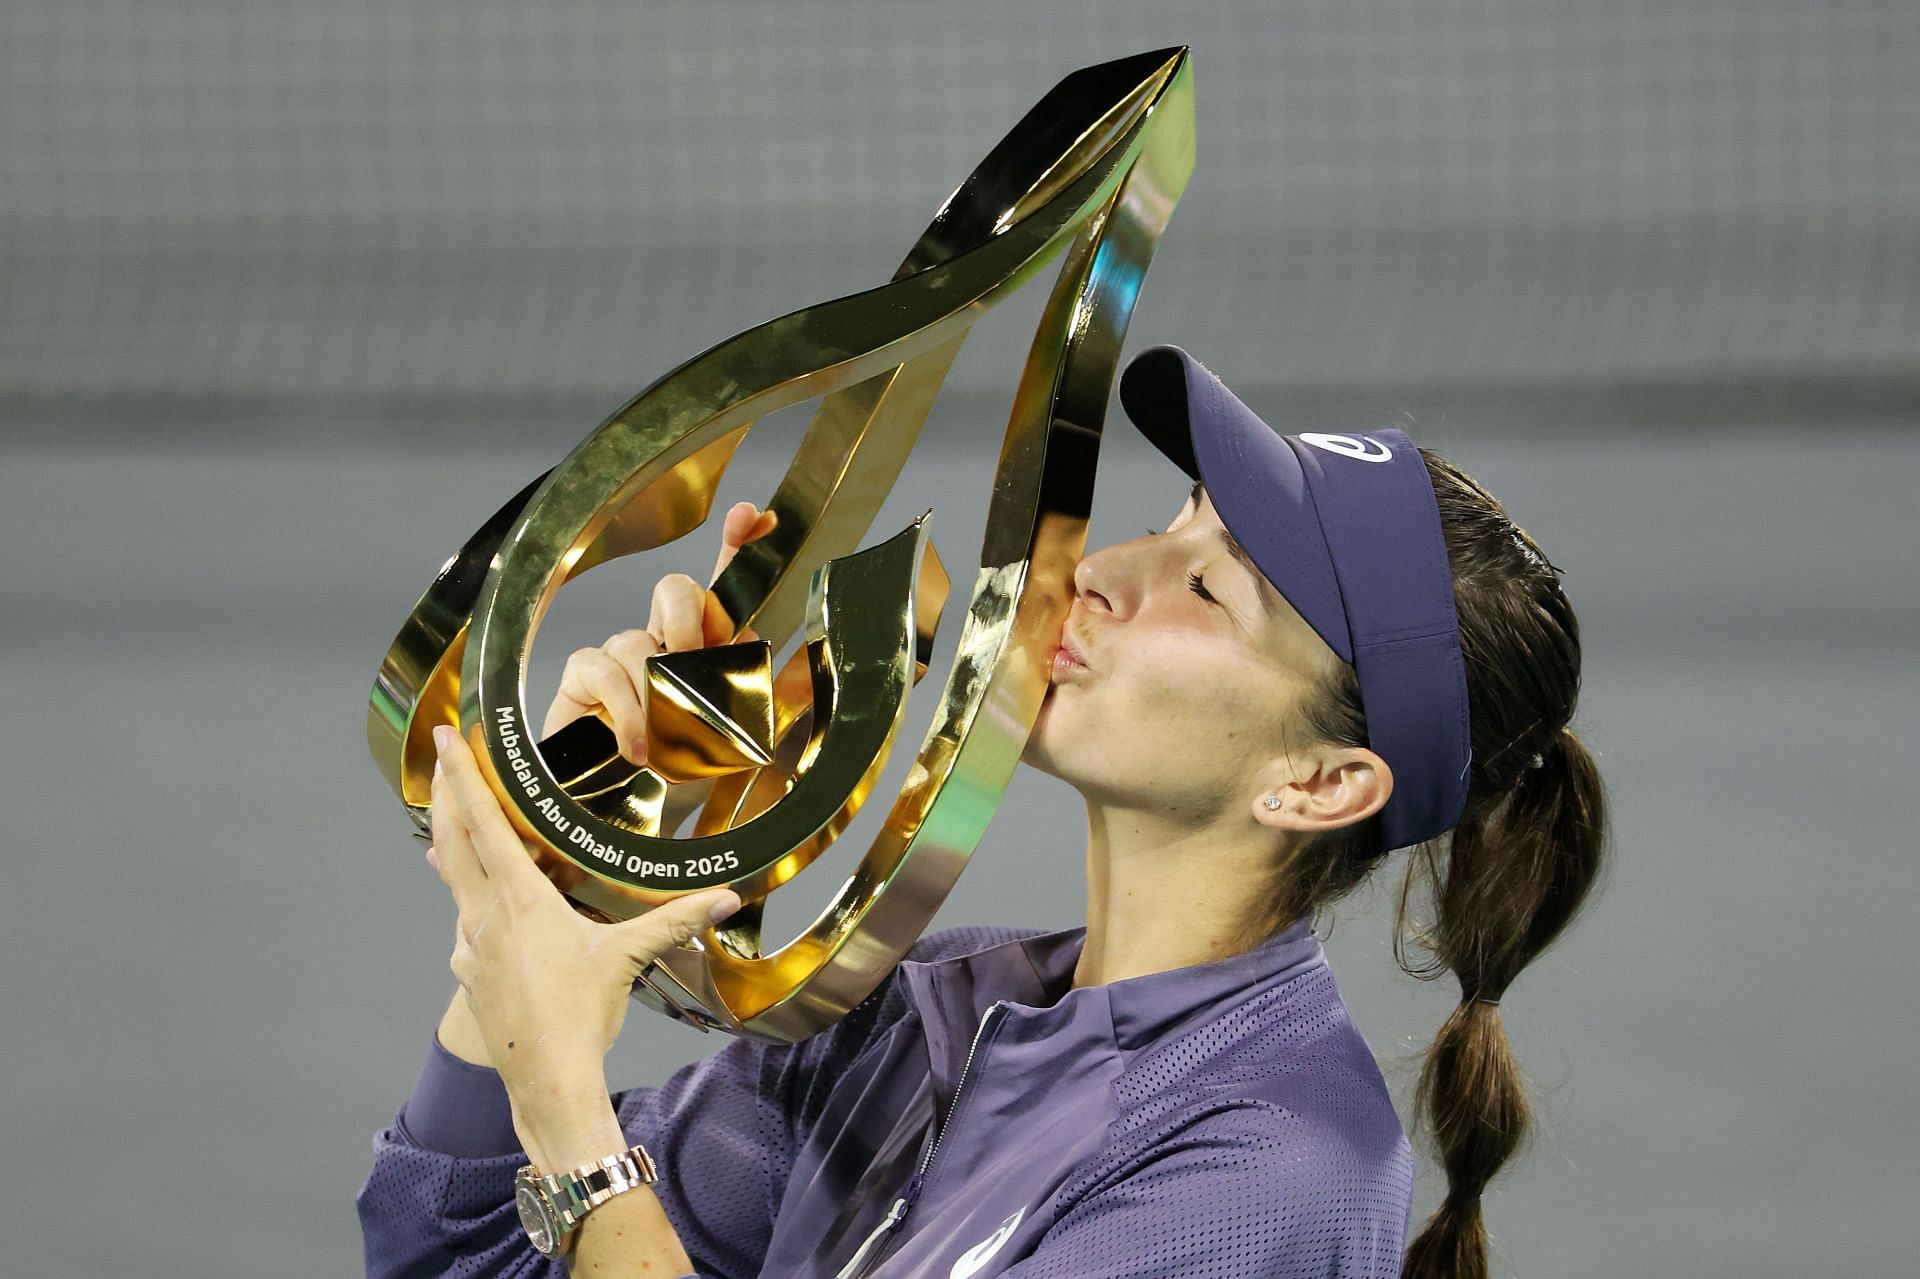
(975, 1259)
(1347, 446)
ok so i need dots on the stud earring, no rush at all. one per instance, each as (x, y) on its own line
(1272, 802)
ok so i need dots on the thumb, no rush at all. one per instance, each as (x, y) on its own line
(647, 937)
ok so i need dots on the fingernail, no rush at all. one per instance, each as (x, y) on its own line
(722, 908)
(441, 736)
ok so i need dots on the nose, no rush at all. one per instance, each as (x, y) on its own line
(1083, 587)
(1099, 582)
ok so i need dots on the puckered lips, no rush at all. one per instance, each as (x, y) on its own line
(1071, 653)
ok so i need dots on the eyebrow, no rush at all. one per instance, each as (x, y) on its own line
(1261, 587)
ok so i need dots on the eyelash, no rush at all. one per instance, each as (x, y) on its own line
(1195, 582)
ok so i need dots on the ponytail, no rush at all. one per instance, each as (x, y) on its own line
(1520, 863)
(1511, 874)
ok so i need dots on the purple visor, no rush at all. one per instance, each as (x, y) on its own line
(1347, 529)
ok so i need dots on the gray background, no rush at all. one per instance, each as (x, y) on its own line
(295, 294)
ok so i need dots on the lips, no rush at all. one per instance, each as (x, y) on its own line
(1071, 647)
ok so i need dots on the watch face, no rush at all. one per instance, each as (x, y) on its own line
(535, 1218)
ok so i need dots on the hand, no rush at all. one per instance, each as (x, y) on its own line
(547, 987)
(606, 681)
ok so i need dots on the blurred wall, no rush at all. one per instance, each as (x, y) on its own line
(471, 208)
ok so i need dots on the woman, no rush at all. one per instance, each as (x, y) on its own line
(1340, 647)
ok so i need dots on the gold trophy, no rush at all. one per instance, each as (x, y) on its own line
(778, 762)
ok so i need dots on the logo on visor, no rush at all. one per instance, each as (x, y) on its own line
(1347, 446)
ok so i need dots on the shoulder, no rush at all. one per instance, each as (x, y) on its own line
(1358, 1170)
(1274, 1152)
(1283, 1191)
(1286, 1079)
(1239, 1187)
(1278, 1191)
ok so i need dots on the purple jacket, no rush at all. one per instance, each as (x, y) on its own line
(1224, 1119)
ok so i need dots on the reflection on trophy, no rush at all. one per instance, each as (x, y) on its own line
(778, 761)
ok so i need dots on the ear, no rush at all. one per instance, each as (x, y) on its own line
(1334, 789)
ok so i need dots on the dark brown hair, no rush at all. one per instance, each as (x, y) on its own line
(1502, 884)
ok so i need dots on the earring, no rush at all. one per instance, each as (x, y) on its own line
(1272, 802)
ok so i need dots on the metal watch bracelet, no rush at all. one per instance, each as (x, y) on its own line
(552, 1206)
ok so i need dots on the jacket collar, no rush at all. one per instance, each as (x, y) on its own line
(1033, 975)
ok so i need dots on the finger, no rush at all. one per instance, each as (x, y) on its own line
(744, 523)
(678, 602)
(645, 938)
(458, 864)
(607, 679)
(625, 682)
(496, 845)
(562, 711)
(574, 699)
(433, 859)
(716, 627)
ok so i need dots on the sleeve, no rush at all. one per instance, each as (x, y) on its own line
(439, 1200)
(723, 1130)
(1247, 1190)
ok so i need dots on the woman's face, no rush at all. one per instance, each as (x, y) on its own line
(1190, 666)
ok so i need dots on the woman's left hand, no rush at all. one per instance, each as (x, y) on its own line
(548, 987)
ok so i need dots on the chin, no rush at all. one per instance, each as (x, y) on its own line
(1041, 755)
(1035, 753)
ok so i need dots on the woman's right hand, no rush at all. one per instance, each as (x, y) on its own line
(606, 681)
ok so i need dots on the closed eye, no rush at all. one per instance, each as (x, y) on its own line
(1195, 582)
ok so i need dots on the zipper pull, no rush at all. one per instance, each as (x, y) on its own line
(859, 1259)
(869, 1246)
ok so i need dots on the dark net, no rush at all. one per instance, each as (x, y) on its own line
(337, 202)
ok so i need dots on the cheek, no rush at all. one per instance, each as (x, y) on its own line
(1215, 712)
(1210, 699)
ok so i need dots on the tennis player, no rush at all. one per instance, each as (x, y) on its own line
(1340, 647)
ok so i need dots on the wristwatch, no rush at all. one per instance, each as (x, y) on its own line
(551, 1207)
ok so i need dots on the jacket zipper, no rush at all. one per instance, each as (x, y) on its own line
(874, 1244)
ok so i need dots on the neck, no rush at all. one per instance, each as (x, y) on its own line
(1162, 895)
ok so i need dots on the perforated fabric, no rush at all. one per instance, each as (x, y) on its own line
(1233, 1155)
(1220, 1120)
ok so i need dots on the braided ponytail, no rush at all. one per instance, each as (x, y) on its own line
(1518, 867)
(1514, 871)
